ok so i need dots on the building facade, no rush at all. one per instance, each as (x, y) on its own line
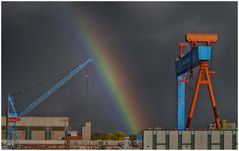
(39, 128)
(190, 139)
(86, 131)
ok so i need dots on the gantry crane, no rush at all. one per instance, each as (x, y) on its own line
(199, 55)
(13, 116)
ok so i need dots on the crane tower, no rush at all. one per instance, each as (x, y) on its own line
(13, 116)
(199, 55)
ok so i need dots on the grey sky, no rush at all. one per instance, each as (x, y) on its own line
(36, 45)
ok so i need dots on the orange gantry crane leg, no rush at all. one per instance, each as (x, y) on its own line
(207, 81)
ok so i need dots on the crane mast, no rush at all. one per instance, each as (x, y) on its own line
(12, 116)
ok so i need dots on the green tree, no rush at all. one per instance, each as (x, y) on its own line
(119, 135)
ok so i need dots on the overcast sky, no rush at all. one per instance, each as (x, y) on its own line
(37, 43)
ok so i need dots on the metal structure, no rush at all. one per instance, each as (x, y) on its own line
(13, 117)
(199, 55)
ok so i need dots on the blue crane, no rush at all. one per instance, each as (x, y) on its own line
(13, 117)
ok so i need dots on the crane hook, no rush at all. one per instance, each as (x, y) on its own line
(191, 74)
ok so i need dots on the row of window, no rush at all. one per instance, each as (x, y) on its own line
(43, 146)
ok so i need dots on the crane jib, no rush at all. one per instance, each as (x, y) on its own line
(54, 88)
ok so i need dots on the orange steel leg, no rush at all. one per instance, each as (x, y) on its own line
(209, 85)
(203, 70)
(190, 115)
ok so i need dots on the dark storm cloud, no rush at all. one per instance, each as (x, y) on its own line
(36, 47)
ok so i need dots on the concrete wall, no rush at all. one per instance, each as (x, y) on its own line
(57, 135)
(227, 139)
(21, 135)
(41, 121)
(148, 139)
(39, 128)
(200, 139)
(173, 139)
(86, 131)
(38, 135)
(161, 141)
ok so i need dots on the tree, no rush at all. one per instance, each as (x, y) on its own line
(119, 135)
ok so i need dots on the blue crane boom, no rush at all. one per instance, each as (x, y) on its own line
(192, 59)
(12, 115)
(54, 88)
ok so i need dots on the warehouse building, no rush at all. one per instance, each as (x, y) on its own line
(190, 139)
(39, 128)
(49, 133)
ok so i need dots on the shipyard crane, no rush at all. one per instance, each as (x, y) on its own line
(13, 116)
(199, 55)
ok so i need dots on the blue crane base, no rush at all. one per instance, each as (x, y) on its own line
(181, 102)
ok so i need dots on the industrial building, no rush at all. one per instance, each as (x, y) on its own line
(46, 128)
(190, 139)
(86, 131)
(51, 133)
(39, 128)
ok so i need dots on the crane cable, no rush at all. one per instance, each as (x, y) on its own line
(20, 92)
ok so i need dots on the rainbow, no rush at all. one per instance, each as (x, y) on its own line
(119, 87)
